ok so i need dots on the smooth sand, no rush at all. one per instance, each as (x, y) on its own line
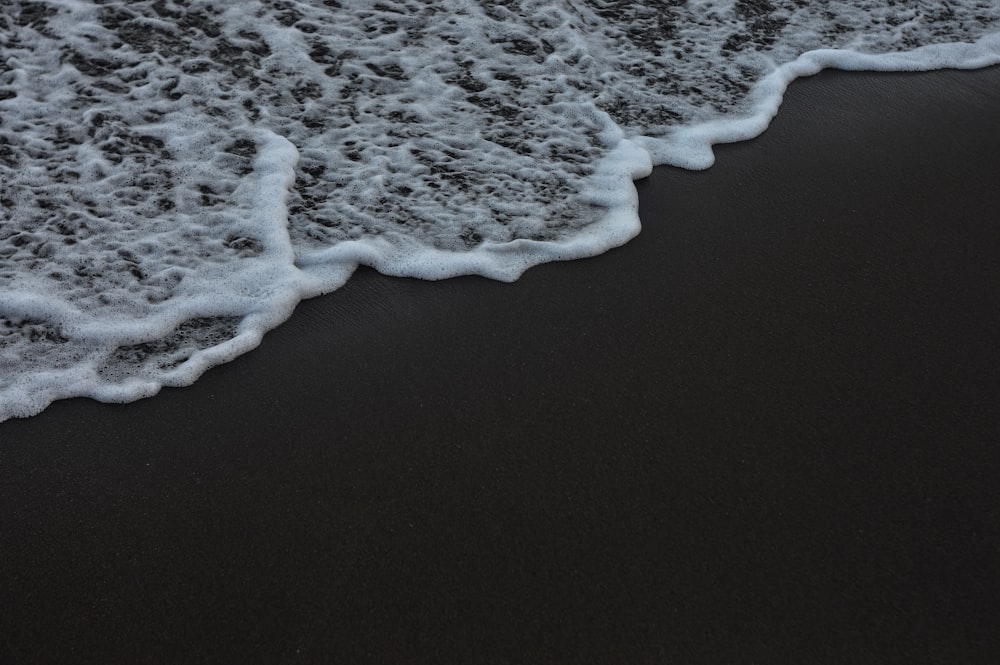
(767, 430)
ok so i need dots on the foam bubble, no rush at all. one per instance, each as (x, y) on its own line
(175, 175)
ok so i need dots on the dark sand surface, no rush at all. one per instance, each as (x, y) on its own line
(765, 431)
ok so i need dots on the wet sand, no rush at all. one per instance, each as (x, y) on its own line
(766, 430)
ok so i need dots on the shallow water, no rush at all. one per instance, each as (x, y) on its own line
(176, 176)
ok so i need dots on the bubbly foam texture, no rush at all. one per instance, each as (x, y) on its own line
(175, 175)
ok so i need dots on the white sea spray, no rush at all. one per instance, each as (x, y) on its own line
(175, 175)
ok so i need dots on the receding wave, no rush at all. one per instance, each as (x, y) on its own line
(175, 175)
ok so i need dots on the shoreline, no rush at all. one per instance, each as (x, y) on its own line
(764, 429)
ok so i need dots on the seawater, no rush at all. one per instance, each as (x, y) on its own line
(175, 175)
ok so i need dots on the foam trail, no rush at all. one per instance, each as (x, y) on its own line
(691, 147)
(175, 175)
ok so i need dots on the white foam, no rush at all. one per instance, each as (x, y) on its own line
(176, 176)
(690, 147)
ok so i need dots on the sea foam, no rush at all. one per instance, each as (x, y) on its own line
(175, 175)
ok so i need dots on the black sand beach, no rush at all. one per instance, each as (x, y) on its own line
(765, 431)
